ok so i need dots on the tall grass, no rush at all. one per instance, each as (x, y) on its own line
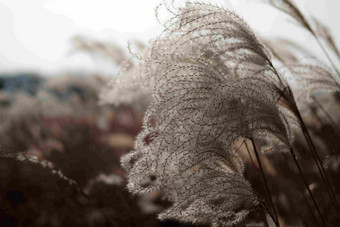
(213, 81)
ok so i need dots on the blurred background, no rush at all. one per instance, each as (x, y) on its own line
(37, 35)
(60, 149)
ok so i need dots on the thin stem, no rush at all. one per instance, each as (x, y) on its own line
(332, 122)
(305, 131)
(322, 171)
(303, 194)
(265, 183)
(261, 201)
(251, 158)
(239, 147)
(308, 205)
(327, 55)
(328, 116)
(306, 184)
(268, 211)
(316, 157)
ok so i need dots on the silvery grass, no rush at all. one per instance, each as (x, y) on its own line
(212, 82)
(318, 30)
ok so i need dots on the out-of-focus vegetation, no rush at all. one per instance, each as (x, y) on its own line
(74, 145)
(59, 120)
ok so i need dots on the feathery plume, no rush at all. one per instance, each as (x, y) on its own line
(323, 32)
(108, 50)
(215, 84)
(310, 77)
(132, 87)
(306, 76)
(291, 9)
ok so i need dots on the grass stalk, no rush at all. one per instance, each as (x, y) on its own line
(307, 186)
(269, 211)
(251, 158)
(315, 156)
(321, 169)
(327, 56)
(327, 115)
(308, 205)
(276, 220)
(304, 196)
(307, 136)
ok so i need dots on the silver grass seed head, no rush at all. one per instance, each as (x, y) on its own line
(215, 85)
(309, 76)
(289, 7)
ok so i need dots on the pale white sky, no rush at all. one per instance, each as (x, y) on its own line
(35, 34)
